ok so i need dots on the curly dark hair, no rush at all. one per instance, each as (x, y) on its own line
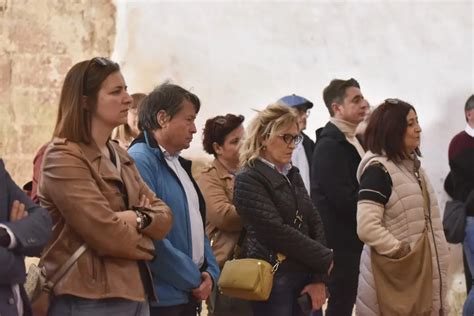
(217, 129)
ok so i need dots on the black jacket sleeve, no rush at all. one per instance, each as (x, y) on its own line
(375, 184)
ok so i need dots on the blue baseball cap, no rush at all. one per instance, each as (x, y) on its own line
(294, 101)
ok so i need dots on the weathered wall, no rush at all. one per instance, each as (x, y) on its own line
(39, 41)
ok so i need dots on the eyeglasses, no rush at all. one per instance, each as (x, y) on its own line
(288, 138)
(303, 110)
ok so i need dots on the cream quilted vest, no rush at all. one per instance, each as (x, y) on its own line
(403, 217)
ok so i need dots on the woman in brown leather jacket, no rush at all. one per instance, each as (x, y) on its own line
(97, 198)
(222, 138)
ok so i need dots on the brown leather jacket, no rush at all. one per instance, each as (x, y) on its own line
(81, 191)
(223, 225)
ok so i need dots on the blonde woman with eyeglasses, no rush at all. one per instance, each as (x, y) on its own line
(282, 225)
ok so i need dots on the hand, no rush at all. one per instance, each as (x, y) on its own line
(144, 201)
(317, 292)
(18, 211)
(402, 251)
(204, 290)
(130, 217)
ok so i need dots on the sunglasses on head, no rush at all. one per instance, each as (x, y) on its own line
(392, 101)
(223, 120)
(102, 61)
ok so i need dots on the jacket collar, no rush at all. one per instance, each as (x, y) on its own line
(222, 172)
(92, 151)
(331, 130)
(274, 177)
(147, 138)
(105, 166)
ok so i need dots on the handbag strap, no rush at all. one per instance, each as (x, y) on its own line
(64, 268)
(426, 196)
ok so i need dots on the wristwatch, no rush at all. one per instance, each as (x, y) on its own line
(4, 238)
(140, 221)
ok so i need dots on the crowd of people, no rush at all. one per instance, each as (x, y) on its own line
(115, 211)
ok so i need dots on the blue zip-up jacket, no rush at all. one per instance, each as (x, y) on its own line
(174, 272)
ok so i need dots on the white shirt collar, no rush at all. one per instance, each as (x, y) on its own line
(469, 130)
(167, 155)
(286, 168)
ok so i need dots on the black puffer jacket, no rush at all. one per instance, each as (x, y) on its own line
(267, 202)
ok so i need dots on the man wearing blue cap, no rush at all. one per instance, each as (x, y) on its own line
(302, 154)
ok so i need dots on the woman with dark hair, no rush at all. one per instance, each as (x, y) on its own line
(282, 225)
(222, 138)
(398, 220)
(98, 201)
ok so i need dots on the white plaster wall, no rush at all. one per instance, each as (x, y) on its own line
(242, 55)
(239, 56)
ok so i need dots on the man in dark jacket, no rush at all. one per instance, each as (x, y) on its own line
(302, 154)
(25, 228)
(334, 189)
(460, 182)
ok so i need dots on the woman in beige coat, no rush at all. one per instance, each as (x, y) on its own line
(391, 218)
(222, 137)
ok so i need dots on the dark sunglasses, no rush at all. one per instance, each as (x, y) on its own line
(288, 138)
(100, 61)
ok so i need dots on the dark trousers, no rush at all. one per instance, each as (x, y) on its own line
(283, 300)
(190, 309)
(343, 284)
(223, 305)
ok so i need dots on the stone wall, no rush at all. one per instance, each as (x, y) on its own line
(39, 41)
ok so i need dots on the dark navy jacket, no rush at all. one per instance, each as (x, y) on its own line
(31, 233)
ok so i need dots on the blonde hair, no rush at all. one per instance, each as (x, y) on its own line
(124, 133)
(265, 125)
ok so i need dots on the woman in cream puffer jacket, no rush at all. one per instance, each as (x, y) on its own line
(390, 213)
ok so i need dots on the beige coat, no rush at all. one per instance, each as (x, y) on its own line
(223, 225)
(401, 219)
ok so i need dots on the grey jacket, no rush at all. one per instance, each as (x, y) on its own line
(31, 233)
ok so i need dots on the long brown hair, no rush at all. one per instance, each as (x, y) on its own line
(79, 98)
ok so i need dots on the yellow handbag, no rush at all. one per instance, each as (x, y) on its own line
(248, 279)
